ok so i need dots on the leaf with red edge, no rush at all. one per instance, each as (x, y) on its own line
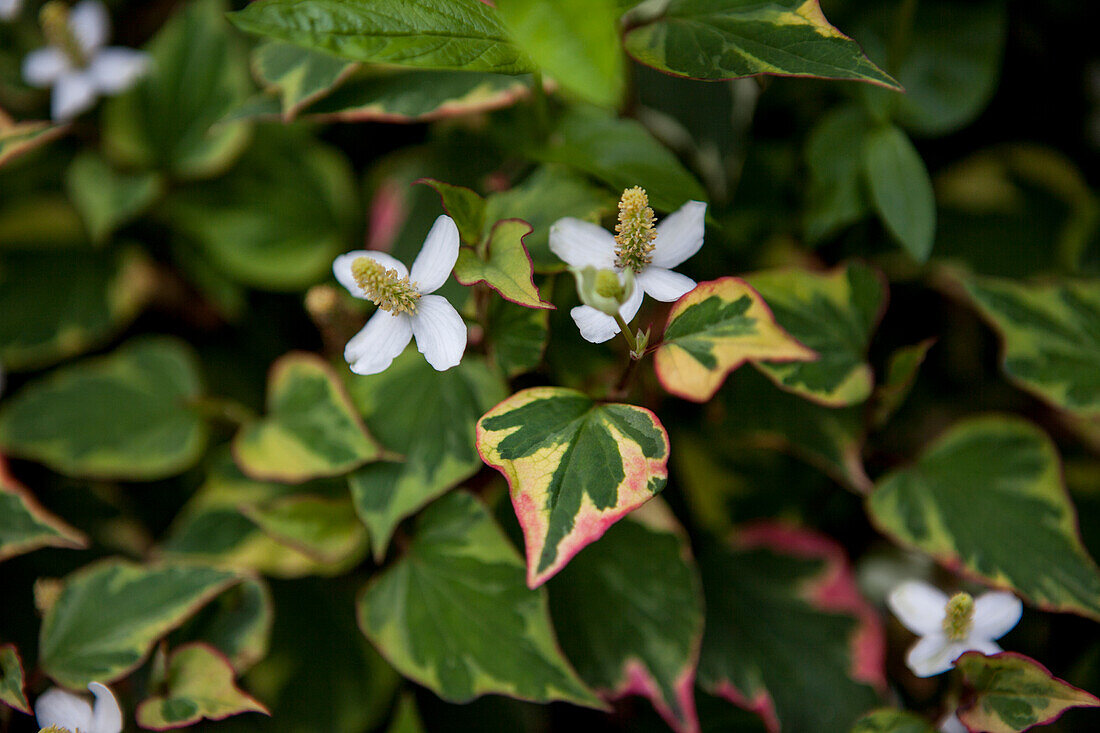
(25, 525)
(464, 206)
(503, 264)
(17, 138)
(12, 690)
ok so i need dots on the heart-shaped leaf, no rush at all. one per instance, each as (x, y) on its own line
(503, 264)
(327, 529)
(25, 525)
(464, 206)
(455, 616)
(715, 329)
(12, 685)
(574, 468)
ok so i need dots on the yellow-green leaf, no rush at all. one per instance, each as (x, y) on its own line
(12, 690)
(25, 525)
(887, 720)
(327, 529)
(17, 138)
(503, 264)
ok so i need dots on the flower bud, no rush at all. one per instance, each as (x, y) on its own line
(604, 290)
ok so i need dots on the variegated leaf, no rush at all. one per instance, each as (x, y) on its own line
(25, 525)
(503, 264)
(17, 138)
(12, 683)
(299, 76)
(887, 720)
(323, 528)
(464, 206)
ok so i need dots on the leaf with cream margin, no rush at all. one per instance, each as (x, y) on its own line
(299, 76)
(887, 720)
(237, 623)
(503, 264)
(455, 616)
(25, 525)
(12, 683)
(574, 468)
(198, 684)
(17, 138)
(464, 206)
(713, 330)
(311, 429)
(652, 648)
(323, 528)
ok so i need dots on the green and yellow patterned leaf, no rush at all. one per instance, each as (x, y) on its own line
(574, 468)
(1005, 471)
(107, 198)
(503, 264)
(109, 614)
(833, 313)
(125, 415)
(788, 636)
(704, 39)
(455, 616)
(299, 76)
(888, 720)
(1050, 337)
(715, 329)
(311, 429)
(25, 525)
(17, 138)
(652, 648)
(199, 684)
(1011, 693)
(237, 623)
(901, 374)
(464, 206)
(327, 529)
(12, 692)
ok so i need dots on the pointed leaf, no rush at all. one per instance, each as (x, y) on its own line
(107, 198)
(506, 267)
(833, 313)
(1012, 693)
(652, 648)
(17, 138)
(299, 76)
(406, 719)
(327, 529)
(1006, 471)
(574, 468)
(901, 374)
(25, 525)
(311, 429)
(455, 616)
(12, 685)
(901, 190)
(836, 195)
(703, 39)
(237, 623)
(715, 329)
(464, 206)
(892, 721)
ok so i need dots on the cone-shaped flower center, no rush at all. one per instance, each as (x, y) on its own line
(960, 616)
(385, 288)
(54, 18)
(634, 232)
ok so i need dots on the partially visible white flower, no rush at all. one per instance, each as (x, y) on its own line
(406, 307)
(10, 8)
(948, 627)
(650, 253)
(75, 63)
(952, 724)
(60, 710)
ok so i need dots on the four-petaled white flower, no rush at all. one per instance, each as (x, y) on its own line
(10, 8)
(950, 626)
(406, 307)
(75, 63)
(650, 254)
(60, 710)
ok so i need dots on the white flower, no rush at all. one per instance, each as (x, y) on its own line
(579, 243)
(405, 306)
(10, 8)
(952, 724)
(950, 626)
(64, 711)
(75, 63)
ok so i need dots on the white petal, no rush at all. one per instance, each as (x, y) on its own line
(341, 268)
(440, 332)
(379, 342)
(995, 614)
(107, 716)
(918, 605)
(985, 646)
(63, 709)
(933, 655)
(43, 67)
(597, 327)
(72, 95)
(579, 243)
(437, 257)
(116, 69)
(9, 8)
(680, 235)
(664, 285)
(952, 724)
(90, 24)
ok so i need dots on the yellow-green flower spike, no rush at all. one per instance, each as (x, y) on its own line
(54, 729)
(960, 616)
(54, 18)
(385, 288)
(635, 231)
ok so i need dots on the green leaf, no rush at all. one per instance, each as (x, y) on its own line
(25, 525)
(107, 198)
(327, 529)
(503, 264)
(887, 720)
(109, 614)
(517, 336)
(311, 429)
(12, 685)
(406, 719)
(900, 189)
(299, 76)
(125, 415)
(634, 628)
(1012, 693)
(17, 138)
(461, 35)
(788, 635)
(715, 329)
(622, 154)
(237, 623)
(576, 42)
(574, 468)
(59, 304)
(464, 206)
(836, 196)
(428, 417)
(704, 39)
(1006, 471)
(199, 684)
(170, 119)
(1050, 342)
(454, 614)
(901, 374)
(833, 313)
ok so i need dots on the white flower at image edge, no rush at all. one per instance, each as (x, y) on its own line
(103, 71)
(438, 328)
(579, 243)
(948, 627)
(952, 724)
(10, 8)
(63, 710)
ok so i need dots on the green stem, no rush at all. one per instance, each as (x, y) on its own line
(903, 31)
(634, 355)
